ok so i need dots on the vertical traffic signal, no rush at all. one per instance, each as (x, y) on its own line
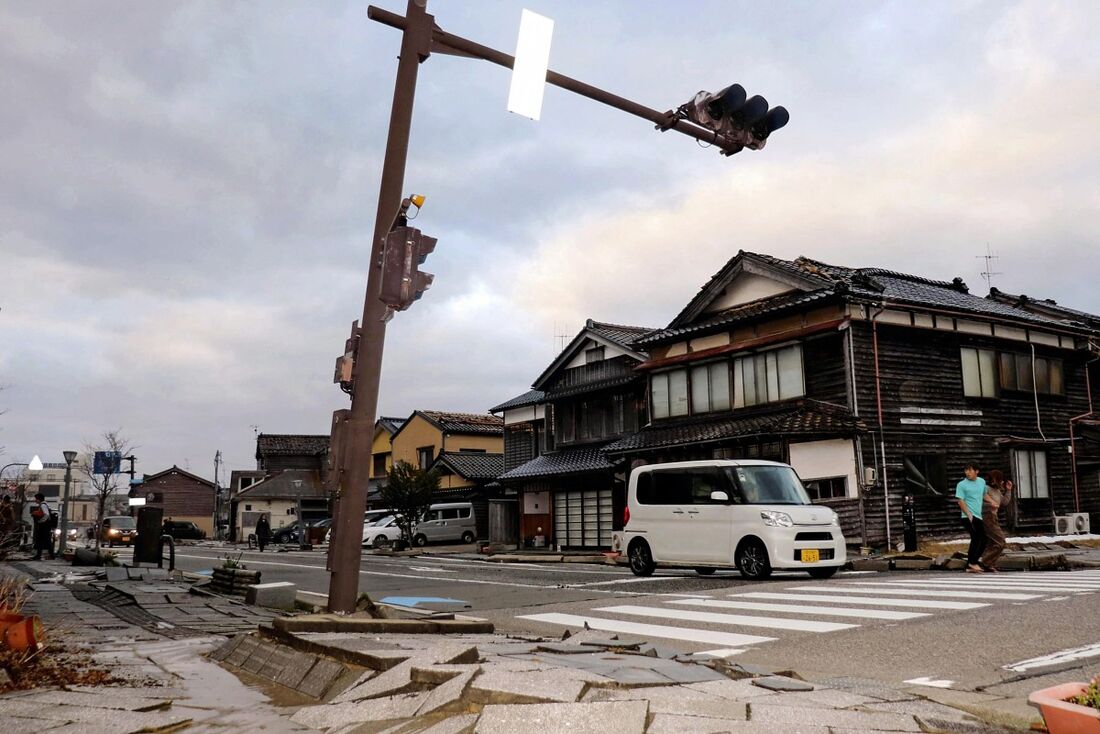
(405, 249)
(737, 120)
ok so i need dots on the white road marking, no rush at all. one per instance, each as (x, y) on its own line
(1056, 598)
(1055, 658)
(924, 603)
(431, 569)
(889, 588)
(741, 620)
(965, 585)
(931, 683)
(724, 653)
(801, 609)
(632, 580)
(727, 639)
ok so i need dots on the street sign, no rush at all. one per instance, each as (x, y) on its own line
(532, 62)
(107, 462)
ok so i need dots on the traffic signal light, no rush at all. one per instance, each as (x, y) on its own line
(404, 251)
(737, 120)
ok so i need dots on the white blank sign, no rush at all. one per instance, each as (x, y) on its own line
(532, 61)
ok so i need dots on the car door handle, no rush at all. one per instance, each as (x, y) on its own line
(693, 512)
(677, 512)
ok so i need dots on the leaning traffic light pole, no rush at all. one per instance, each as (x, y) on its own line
(727, 120)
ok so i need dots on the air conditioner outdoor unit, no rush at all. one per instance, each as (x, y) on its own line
(1071, 524)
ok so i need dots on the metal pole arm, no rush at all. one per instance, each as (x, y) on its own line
(448, 43)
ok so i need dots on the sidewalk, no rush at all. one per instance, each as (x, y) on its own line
(284, 679)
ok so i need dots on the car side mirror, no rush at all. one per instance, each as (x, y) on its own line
(719, 496)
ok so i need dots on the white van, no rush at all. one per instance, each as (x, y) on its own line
(447, 521)
(751, 515)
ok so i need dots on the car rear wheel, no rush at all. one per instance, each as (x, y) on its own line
(381, 542)
(704, 571)
(824, 572)
(752, 560)
(641, 560)
(420, 540)
(468, 537)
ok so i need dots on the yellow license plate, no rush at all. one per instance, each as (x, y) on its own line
(811, 556)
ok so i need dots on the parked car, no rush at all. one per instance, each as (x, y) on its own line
(118, 529)
(286, 534)
(369, 517)
(183, 530)
(447, 522)
(754, 516)
(382, 532)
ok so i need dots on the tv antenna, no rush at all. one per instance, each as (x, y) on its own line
(559, 338)
(989, 272)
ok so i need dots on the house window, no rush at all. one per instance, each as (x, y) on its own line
(768, 377)
(979, 371)
(245, 482)
(925, 475)
(1016, 373)
(1031, 474)
(471, 451)
(710, 387)
(827, 489)
(379, 468)
(424, 456)
(593, 355)
(669, 393)
(248, 508)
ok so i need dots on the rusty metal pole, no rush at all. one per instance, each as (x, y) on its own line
(358, 431)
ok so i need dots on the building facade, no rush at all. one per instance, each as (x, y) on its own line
(181, 496)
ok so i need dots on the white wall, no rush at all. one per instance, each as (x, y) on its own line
(747, 287)
(524, 414)
(823, 459)
(536, 503)
(609, 351)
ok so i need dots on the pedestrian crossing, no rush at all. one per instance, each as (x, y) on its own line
(743, 617)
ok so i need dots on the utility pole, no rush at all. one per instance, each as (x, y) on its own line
(217, 491)
(729, 119)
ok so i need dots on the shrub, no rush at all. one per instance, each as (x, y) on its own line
(1091, 696)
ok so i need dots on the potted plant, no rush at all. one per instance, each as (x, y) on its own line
(1070, 708)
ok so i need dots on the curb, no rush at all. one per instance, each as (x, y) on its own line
(338, 623)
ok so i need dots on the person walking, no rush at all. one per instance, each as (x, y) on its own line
(42, 517)
(970, 493)
(7, 522)
(996, 494)
(263, 532)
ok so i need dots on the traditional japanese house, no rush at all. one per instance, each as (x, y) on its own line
(874, 385)
(568, 493)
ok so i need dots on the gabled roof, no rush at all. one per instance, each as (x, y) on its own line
(289, 484)
(390, 425)
(813, 280)
(808, 417)
(1045, 306)
(472, 465)
(177, 470)
(561, 463)
(623, 337)
(466, 424)
(290, 444)
(531, 397)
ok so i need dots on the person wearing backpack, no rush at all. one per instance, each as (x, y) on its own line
(43, 518)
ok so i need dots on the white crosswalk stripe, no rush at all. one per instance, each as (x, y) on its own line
(795, 609)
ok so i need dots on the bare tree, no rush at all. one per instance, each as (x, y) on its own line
(103, 485)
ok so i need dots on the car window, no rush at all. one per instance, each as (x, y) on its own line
(768, 485)
(450, 514)
(670, 488)
(123, 523)
(703, 482)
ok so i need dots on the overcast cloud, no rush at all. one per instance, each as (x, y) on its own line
(188, 191)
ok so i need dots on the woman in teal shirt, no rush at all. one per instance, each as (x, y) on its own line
(970, 492)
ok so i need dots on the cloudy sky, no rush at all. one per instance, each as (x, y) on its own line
(188, 191)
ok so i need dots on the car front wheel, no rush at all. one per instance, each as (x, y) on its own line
(420, 540)
(752, 560)
(468, 537)
(381, 542)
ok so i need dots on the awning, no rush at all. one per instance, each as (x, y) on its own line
(561, 463)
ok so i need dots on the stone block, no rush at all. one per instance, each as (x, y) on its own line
(331, 716)
(295, 671)
(608, 717)
(321, 677)
(447, 696)
(502, 687)
(779, 683)
(397, 679)
(955, 564)
(1048, 562)
(275, 595)
(223, 651)
(870, 564)
(116, 573)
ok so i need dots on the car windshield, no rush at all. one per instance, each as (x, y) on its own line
(768, 485)
(122, 523)
(382, 521)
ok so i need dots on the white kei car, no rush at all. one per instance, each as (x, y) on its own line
(382, 532)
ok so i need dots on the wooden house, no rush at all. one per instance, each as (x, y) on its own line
(874, 385)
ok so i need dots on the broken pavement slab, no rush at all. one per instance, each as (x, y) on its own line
(610, 717)
(779, 683)
(350, 623)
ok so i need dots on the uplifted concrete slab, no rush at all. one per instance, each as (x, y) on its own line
(454, 725)
(447, 696)
(682, 724)
(779, 683)
(782, 717)
(611, 717)
(506, 687)
(676, 700)
(328, 716)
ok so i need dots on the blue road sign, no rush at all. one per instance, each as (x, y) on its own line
(107, 462)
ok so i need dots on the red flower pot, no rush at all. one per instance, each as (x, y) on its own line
(1063, 717)
(26, 634)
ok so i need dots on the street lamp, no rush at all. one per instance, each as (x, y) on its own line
(34, 464)
(70, 456)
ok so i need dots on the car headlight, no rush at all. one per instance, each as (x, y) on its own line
(776, 519)
(112, 531)
(835, 520)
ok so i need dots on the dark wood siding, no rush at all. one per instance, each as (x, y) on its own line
(179, 495)
(824, 366)
(519, 444)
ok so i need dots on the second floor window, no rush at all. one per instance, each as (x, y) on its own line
(710, 387)
(979, 368)
(768, 377)
(424, 456)
(379, 465)
(669, 394)
(986, 372)
(1031, 474)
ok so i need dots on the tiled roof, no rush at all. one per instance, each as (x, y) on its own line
(587, 387)
(819, 280)
(1046, 306)
(392, 425)
(619, 334)
(472, 464)
(287, 484)
(561, 463)
(476, 423)
(810, 417)
(276, 444)
(531, 397)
